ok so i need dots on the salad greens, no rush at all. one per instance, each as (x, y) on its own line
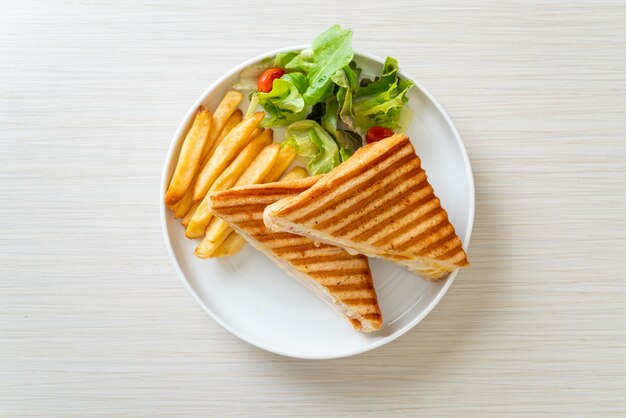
(322, 100)
(348, 141)
(283, 58)
(380, 102)
(302, 61)
(313, 143)
(284, 104)
(383, 109)
(347, 81)
(332, 51)
(381, 83)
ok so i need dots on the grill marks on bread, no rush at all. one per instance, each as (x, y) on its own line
(345, 277)
(379, 200)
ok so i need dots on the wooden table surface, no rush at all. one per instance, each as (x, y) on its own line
(94, 320)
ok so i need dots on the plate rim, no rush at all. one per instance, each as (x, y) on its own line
(251, 340)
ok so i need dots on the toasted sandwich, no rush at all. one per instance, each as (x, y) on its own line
(342, 280)
(378, 203)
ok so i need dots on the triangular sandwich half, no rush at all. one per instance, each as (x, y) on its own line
(378, 203)
(342, 280)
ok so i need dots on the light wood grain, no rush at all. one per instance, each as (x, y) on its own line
(94, 321)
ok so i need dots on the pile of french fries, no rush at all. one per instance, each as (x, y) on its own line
(220, 151)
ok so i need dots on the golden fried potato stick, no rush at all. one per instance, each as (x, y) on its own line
(285, 157)
(296, 173)
(218, 230)
(183, 205)
(199, 221)
(206, 248)
(232, 121)
(231, 245)
(225, 153)
(225, 110)
(227, 179)
(261, 165)
(253, 135)
(197, 224)
(222, 114)
(189, 157)
(234, 171)
(189, 214)
(182, 208)
(257, 132)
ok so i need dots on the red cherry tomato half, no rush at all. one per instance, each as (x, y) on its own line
(267, 77)
(376, 133)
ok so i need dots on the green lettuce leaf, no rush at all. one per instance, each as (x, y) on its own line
(313, 145)
(347, 80)
(283, 58)
(284, 104)
(329, 156)
(328, 119)
(299, 140)
(297, 79)
(348, 141)
(405, 118)
(381, 83)
(332, 50)
(385, 102)
(303, 61)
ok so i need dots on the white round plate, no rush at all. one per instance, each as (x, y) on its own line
(256, 301)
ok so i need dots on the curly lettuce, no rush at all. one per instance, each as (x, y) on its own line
(381, 102)
(313, 145)
(284, 104)
(283, 58)
(324, 102)
(348, 141)
(330, 52)
(302, 61)
(347, 81)
(382, 82)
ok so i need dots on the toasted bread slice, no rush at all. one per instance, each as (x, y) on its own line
(378, 203)
(342, 280)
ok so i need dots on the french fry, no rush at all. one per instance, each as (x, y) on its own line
(189, 157)
(296, 173)
(257, 132)
(183, 205)
(206, 248)
(224, 110)
(202, 217)
(199, 221)
(285, 157)
(242, 162)
(189, 214)
(261, 165)
(225, 153)
(231, 246)
(232, 121)
(218, 230)
(189, 210)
